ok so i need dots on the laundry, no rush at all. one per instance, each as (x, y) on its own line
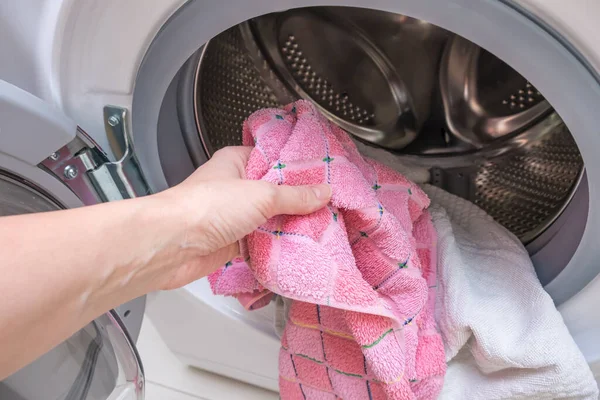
(503, 336)
(360, 273)
(410, 170)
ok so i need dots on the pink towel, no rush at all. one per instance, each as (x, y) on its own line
(361, 272)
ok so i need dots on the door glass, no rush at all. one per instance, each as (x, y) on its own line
(97, 363)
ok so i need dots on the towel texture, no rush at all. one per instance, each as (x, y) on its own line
(504, 337)
(361, 273)
(404, 165)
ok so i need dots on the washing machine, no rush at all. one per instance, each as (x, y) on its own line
(101, 101)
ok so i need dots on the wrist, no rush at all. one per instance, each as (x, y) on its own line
(165, 226)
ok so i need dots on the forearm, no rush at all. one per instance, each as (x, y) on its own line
(61, 270)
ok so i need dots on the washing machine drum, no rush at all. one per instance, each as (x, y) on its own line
(426, 95)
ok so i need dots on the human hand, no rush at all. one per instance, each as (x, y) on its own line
(130, 248)
(216, 207)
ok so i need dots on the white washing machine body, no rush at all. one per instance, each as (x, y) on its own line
(80, 56)
(47, 163)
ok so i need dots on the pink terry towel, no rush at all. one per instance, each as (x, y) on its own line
(361, 272)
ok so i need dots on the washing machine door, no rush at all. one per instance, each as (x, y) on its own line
(48, 163)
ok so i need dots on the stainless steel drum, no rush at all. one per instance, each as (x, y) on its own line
(405, 85)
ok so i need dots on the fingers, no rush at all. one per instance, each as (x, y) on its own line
(236, 156)
(201, 267)
(227, 163)
(300, 200)
(217, 259)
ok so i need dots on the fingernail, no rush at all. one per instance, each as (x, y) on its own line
(322, 192)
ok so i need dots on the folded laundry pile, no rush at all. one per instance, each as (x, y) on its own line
(360, 273)
(356, 290)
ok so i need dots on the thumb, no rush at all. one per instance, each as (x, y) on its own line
(300, 200)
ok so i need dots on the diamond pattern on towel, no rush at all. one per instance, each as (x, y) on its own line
(361, 272)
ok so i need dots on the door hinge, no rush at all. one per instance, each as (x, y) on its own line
(85, 168)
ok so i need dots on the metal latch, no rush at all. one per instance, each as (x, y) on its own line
(87, 171)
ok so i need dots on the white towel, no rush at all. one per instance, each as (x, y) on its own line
(412, 171)
(504, 337)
